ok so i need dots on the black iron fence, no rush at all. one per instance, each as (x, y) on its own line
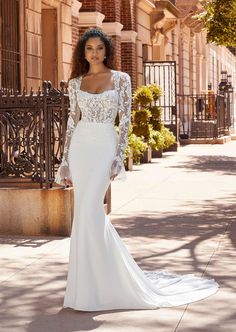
(32, 131)
(163, 73)
(204, 115)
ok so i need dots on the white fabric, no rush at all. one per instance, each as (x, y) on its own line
(102, 275)
(101, 108)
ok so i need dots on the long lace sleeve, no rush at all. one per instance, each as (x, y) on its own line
(72, 121)
(124, 117)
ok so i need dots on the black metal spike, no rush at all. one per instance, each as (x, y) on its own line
(39, 91)
(24, 91)
(45, 86)
(49, 85)
(62, 85)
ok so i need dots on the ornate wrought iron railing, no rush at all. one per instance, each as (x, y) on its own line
(32, 131)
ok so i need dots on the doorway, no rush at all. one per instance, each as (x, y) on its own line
(49, 46)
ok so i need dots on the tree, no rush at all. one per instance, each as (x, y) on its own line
(219, 19)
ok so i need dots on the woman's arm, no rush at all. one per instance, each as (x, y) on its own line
(73, 118)
(124, 117)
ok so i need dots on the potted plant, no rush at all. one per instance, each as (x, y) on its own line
(141, 119)
(147, 121)
(136, 147)
(156, 122)
(169, 137)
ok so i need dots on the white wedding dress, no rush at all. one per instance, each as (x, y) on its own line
(102, 274)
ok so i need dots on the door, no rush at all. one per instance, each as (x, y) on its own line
(49, 46)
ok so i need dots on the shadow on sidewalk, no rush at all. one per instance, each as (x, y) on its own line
(190, 237)
(27, 240)
(68, 320)
(65, 320)
(165, 235)
(222, 164)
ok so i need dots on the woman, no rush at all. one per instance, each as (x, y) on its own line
(102, 274)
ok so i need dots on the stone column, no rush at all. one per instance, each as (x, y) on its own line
(129, 54)
(88, 20)
(76, 6)
(112, 26)
(90, 15)
(128, 40)
(113, 29)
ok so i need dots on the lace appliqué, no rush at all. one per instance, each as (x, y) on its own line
(102, 108)
(124, 109)
(72, 121)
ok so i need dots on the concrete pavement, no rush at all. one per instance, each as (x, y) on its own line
(177, 213)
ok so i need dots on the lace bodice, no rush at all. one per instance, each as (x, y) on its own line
(102, 108)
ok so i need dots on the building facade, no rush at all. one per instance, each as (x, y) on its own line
(37, 40)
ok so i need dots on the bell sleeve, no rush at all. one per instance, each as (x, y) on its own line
(73, 118)
(124, 111)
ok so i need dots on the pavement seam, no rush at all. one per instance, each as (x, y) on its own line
(136, 196)
(28, 265)
(216, 249)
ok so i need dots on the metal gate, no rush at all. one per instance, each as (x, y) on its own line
(204, 116)
(163, 73)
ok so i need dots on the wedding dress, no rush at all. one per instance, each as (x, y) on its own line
(102, 275)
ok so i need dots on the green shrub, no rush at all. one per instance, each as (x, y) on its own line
(169, 137)
(143, 96)
(148, 128)
(138, 147)
(141, 127)
(155, 119)
(158, 141)
(156, 91)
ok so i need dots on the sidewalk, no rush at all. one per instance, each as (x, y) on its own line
(177, 213)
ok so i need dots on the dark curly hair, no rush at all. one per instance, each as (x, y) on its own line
(80, 65)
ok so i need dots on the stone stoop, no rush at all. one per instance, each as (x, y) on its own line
(219, 140)
(34, 211)
(233, 134)
(25, 211)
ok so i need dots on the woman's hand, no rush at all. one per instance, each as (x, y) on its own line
(113, 177)
(115, 169)
(68, 183)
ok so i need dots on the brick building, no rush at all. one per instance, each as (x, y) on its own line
(38, 44)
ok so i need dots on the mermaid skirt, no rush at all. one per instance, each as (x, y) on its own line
(102, 275)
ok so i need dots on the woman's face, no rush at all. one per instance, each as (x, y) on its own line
(95, 50)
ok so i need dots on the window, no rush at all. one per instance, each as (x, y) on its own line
(10, 44)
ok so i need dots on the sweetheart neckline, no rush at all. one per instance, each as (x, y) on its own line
(95, 94)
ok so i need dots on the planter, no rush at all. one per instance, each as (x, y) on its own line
(129, 162)
(172, 148)
(27, 211)
(157, 153)
(147, 156)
